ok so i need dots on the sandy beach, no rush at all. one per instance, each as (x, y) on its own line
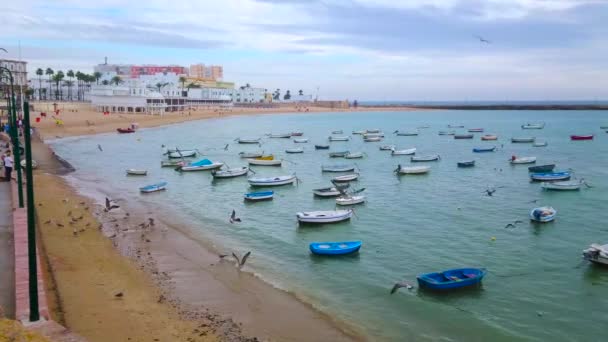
(81, 119)
(118, 277)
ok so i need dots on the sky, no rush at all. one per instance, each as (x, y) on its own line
(410, 50)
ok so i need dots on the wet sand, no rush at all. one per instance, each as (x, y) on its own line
(81, 119)
(174, 286)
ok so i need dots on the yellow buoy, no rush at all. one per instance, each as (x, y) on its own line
(493, 238)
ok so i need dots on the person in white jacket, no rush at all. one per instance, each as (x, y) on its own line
(8, 166)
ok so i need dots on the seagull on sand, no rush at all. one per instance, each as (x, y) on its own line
(110, 205)
(233, 217)
(482, 40)
(241, 262)
(399, 285)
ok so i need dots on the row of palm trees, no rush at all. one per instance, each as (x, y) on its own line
(83, 82)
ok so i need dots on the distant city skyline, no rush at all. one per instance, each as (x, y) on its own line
(417, 50)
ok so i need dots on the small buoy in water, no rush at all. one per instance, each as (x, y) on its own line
(138, 139)
(493, 238)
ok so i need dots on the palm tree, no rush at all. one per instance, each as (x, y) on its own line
(58, 77)
(70, 74)
(116, 80)
(105, 82)
(182, 80)
(192, 85)
(49, 72)
(97, 76)
(277, 94)
(69, 84)
(300, 92)
(78, 84)
(39, 72)
(159, 86)
(287, 96)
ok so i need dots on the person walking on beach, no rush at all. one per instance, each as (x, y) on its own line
(8, 166)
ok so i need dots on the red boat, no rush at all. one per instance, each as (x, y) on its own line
(581, 137)
(125, 130)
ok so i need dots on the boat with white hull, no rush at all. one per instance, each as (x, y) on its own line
(405, 152)
(230, 173)
(412, 170)
(350, 200)
(596, 253)
(328, 216)
(272, 181)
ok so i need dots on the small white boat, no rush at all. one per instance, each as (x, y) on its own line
(543, 214)
(339, 138)
(248, 140)
(300, 140)
(272, 181)
(540, 144)
(523, 160)
(327, 192)
(265, 162)
(447, 132)
(337, 132)
(297, 134)
(154, 187)
(345, 178)
(596, 253)
(523, 140)
(359, 132)
(405, 152)
(373, 130)
(294, 150)
(337, 168)
(540, 125)
(200, 167)
(425, 158)
(280, 136)
(251, 154)
(563, 186)
(136, 172)
(372, 139)
(353, 155)
(412, 170)
(182, 153)
(387, 147)
(350, 200)
(328, 216)
(230, 173)
(406, 133)
(375, 134)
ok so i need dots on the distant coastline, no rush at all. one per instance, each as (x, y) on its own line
(498, 106)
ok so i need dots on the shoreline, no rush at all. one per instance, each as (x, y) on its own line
(245, 297)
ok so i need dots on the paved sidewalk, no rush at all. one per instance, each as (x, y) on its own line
(7, 252)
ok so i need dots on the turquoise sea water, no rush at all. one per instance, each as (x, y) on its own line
(536, 289)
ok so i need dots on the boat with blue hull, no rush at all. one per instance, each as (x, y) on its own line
(451, 279)
(543, 214)
(153, 187)
(335, 248)
(550, 176)
(484, 149)
(466, 163)
(259, 196)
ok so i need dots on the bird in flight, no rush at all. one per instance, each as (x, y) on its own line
(3, 49)
(512, 225)
(233, 217)
(482, 40)
(99, 147)
(110, 205)
(241, 261)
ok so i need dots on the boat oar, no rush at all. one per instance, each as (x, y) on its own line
(358, 191)
(250, 170)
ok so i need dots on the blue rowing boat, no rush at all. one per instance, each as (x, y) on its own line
(451, 279)
(466, 163)
(259, 196)
(484, 149)
(550, 176)
(335, 248)
(154, 187)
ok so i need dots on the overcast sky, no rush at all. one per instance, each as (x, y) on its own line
(354, 49)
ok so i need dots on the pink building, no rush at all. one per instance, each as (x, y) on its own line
(137, 70)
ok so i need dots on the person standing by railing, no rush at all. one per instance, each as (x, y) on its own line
(8, 166)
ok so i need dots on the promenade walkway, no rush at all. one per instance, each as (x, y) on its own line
(7, 252)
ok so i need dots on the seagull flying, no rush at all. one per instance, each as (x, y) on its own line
(3, 49)
(241, 262)
(226, 147)
(233, 217)
(99, 147)
(482, 40)
(399, 285)
(110, 205)
(513, 224)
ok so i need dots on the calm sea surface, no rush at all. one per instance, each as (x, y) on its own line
(537, 288)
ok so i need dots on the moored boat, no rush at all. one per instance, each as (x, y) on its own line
(265, 161)
(596, 253)
(540, 144)
(272, 181)
(539, 125)
(330, 191)
(125, 130)
(321, 147)
(181, 154)
(406, 133)
(387, 147)
(350, 200)
(359, 132)
(256, 154)
(475, 130)
(372, 139)
(294, 150)
(201, 165)
(300, 140)
(136, 172)
(374, 134)
(523, 140)
(425, 158)
(338, 154)
(339, 138)
(455, 126)
(446, 133)
(280, 135)
(248, 140)
(542, 168)
(550, 176)
(353, 155)
(489, 137)
(412, 170)
(153, 187)
(327, 216)
(337, 132)
(259, 196)
(172, 163)
(484, 149)
(230, 173)
(451, 279)
(543, 214)
(373, 131)
(335, 248)
(581, 137)
(405, 152)
(297, 134)
(345, 178)
(466, 163)
(563, 186)
(523, 160)
(337, 168)
(463, 136)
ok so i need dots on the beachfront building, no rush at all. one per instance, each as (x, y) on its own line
(132, 71)
(210, 72)
(248, 94)
(18, 70)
